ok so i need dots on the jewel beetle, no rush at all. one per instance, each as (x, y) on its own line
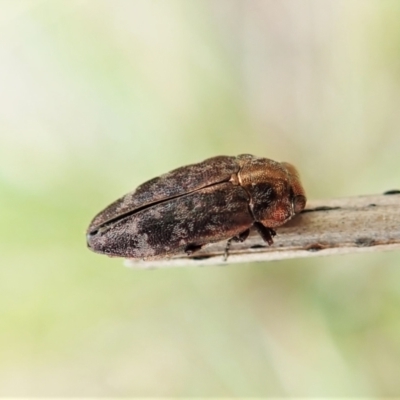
(179, 212)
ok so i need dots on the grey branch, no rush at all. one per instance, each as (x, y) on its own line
(334, 226)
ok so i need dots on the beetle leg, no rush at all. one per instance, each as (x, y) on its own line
(242, 236)
(228, 245)
(265, 233)
(191, 248)
(238, 238)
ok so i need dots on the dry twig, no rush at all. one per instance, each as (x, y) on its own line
(334, 226)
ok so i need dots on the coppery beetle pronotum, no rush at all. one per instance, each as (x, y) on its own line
(218, 199)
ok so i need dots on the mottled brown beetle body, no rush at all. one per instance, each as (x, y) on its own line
(218, 199)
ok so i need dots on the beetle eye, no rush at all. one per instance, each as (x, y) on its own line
(299, 203)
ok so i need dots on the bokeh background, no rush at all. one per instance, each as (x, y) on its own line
(97, 96)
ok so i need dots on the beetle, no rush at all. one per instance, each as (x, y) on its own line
(179, 212)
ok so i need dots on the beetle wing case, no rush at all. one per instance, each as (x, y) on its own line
(178, 182)
(169, 227)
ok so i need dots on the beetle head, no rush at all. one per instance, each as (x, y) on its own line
(276, 195)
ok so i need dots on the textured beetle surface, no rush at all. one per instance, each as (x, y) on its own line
(179, 212)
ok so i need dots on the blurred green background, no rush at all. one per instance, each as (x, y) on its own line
(97, 96)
